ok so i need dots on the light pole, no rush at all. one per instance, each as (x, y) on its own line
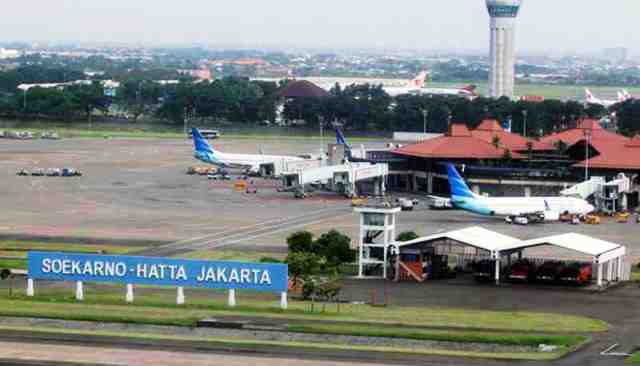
(425, 115)
(524, 115)
(321, 123)
(185, 120)
(587, 134)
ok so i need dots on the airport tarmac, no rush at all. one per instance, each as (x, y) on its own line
(136, 190)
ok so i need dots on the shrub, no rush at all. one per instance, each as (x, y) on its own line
(407, 236)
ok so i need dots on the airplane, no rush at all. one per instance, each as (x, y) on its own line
(413, 86)
(341, 140)
(417, 87)
(512, 207)
(468, 91)
(626, 95)
(251, 162)
(591, 99)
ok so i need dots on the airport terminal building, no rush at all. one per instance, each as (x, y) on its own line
(500, 163)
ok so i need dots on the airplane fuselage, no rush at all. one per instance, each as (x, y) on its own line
(516, 206)
(249, 161)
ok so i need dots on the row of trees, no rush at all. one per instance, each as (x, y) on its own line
(628, 117)
(357, 107)
(368, 107)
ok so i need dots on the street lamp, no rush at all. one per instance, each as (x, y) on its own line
(524, 115)
(587, 134)
(425, 115)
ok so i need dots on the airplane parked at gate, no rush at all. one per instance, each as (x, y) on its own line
(251, 162)
(514, 207)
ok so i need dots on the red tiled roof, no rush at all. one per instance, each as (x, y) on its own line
(302, 89)
(614, 154)
(572, 136)
(634, 142)
(458, 143)
(488, 129)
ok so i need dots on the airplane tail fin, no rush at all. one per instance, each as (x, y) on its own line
(419, 80)
(340, 140)
(590, 98)
(457, 184)
(199, 142)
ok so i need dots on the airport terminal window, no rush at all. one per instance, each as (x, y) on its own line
(374, 219)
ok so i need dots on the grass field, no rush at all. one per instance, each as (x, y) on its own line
(159, 308)
(635, 273)
(230, 255)
(562, 92)
(634, 360)
(258, 345)
(14, 252)
(443, 336)
(162, 132)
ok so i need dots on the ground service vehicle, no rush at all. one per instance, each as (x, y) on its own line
(522, 271)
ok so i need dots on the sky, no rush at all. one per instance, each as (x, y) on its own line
(553, 26)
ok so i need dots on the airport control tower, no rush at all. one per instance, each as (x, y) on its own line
(503, 19)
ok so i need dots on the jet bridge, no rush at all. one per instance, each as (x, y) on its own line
(339, 178)
(609, 197)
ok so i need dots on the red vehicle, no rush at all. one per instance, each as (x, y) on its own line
(577, 273)
(521, 271)
(550, 271)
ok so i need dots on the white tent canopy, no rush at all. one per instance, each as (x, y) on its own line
(599, 250)
(475, 236)
(603, 253)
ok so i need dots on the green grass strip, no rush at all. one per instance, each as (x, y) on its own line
(634, 360)
(217, 341)
(442, 336)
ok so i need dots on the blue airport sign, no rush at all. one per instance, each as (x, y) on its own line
(158, 271)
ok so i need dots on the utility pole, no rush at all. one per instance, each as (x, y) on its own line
(524, 115)
(321, 122)
(587, 134)
(425, 115)
(185, 119)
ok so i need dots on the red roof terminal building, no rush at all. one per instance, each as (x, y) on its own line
(502, 163)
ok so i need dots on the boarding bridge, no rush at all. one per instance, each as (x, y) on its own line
(585, 189)
(277, 168)
(609, 197)
(341, 178)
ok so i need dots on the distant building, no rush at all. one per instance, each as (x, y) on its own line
(198, 74)
(8, 54)
(616, 55)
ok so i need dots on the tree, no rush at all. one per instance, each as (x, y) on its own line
(407, 236)
(336, 248)
(302, 265)
(301, 241)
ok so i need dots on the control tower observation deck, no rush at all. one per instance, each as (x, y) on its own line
(502, 55)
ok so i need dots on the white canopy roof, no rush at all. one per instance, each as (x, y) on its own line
(495, 243)
(600, 250)
(474, 236)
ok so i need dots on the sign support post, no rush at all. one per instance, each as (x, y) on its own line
(129, 297)
(283, 301)
(79, 291)
(232, 298)
(180, 297)
(30, 287)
